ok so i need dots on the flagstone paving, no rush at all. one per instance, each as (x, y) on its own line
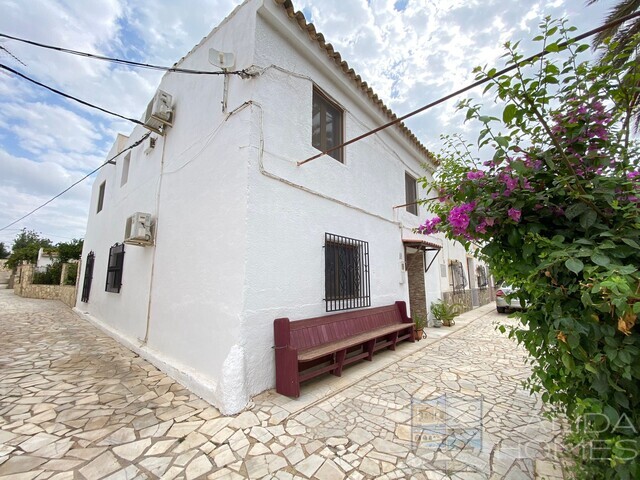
(74, 404)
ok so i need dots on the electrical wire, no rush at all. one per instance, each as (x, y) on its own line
(65, 95)
(133, 145)
(122, 61)
(12, 55)
(471, 86)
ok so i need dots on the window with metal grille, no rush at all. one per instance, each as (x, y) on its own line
(346, 273)
(326, 125)
(481, 274)
(88, 277)
(103, 186)
(458, 280)
(411, 193)
(114, 269)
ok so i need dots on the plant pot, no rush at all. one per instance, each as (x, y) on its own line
(418, 334)
(448, 323)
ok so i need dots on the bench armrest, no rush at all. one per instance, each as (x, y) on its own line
(402, 308)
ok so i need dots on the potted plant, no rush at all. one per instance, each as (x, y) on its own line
(419, 322)
(444, 312)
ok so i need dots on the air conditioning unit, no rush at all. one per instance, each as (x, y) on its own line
(149, 145)
(138, 229)
(159, 112)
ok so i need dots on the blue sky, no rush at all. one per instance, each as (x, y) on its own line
(410, 51)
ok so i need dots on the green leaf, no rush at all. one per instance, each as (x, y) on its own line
(574, 210)
(590, 368)
(574, 265)
(600, 259)
(588, 219)
(553, 47)
(631, 243)
(502, 141)
(567, 360)
(509, 113)
(573, 340)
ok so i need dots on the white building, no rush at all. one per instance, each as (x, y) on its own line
(243, 234)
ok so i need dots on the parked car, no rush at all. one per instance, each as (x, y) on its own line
(503, 303)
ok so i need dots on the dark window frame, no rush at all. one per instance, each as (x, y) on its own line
(101, 192)
(458, 281)
(88, 276)
(411, 193)
(347, 279)
(324, 106)
(115, 267)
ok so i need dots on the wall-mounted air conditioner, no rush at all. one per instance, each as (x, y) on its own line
(159, 113)
(138, 229)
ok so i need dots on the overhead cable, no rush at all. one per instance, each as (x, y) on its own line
(122, 61)
(474, 85)
(133, 145)
(58, 92)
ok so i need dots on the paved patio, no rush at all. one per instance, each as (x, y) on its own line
(74, 404)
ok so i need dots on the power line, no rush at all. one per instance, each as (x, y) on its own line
(541, 54)
(122, 61)
(135, 144)
(75, 99)
(12, 55)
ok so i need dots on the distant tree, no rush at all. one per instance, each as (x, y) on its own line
(70, 250)
(4, 253)
(26, 246)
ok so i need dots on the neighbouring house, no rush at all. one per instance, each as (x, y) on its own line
(46, 257)
(209, 229)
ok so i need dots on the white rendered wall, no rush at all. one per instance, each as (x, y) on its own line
(292, 207)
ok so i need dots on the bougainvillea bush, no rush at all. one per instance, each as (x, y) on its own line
(555, 208)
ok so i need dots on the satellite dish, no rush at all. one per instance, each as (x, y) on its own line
(221, 59)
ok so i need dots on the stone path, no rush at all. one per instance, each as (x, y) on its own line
(74, 404)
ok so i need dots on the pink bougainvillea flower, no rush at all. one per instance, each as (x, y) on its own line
(514, 214)
(430, 226)
(475, 175)
(459, 217)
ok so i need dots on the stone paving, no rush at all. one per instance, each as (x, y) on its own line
(74, 404)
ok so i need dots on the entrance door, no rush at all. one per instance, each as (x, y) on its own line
(415, 274)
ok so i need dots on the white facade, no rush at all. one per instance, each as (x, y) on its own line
(239, 227)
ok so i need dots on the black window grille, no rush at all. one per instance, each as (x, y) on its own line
(458, 279)
(114, 269)
(346, 273)
(411, 193)
(326, 125)
(88, 277)
(481, 273)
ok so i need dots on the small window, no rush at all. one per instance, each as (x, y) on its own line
(114, 269)
(327, 125)
(481, 274)
(458, 280)
(411, 193)
(125, 169)
(88, 277)
(346, 273)
(101, 196)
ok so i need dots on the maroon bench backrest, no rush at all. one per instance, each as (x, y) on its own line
(320, 330)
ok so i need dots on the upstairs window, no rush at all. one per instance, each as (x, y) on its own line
(101, 196)
(114, 269)
(125, 169)
(346, 273)
(327, 125)
(411, 193)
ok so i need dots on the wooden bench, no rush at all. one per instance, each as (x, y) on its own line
(311, 347)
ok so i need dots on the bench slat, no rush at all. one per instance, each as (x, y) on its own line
(322, 350)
